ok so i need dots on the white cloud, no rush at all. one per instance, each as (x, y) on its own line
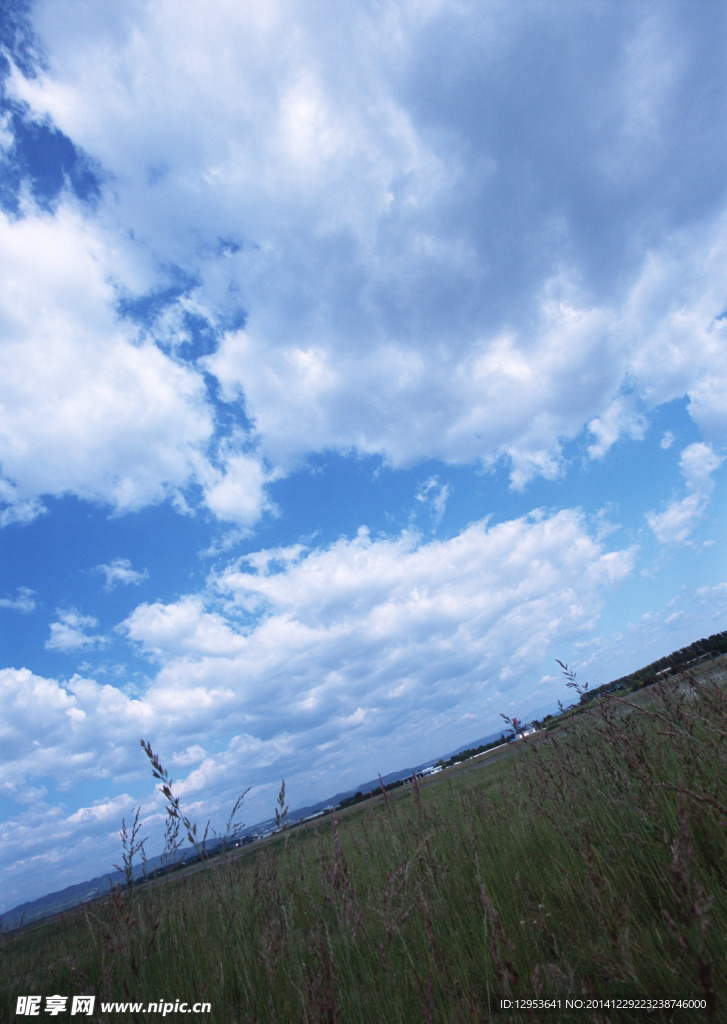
(106, 812)
(419, 281)
(680, 518)
(68, 633)
(86, 405)
(683, 617)
(183, 627)
(24, 602)
(313, 664)
(507, 396)
(697, 464)
(7, 139)
(364, 624)
(67, 733)
(452, 231)
(717, 593)
(436, 496)
(70, 737)
(35, 839)
(120, 572)
(675, 306)
(32, 707)
(15, 509)
(376, 624)
(236, 492)
(677, 522)
(621, 418)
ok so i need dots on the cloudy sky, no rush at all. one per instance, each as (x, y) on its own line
(356, 361)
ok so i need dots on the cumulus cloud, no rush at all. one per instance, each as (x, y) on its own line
(464, 232)
(58, 738)
(86, 405)
(89, 404)
(417, 280)
(236, 492)
(680, 518)
(34, 839)
(395, 627)
(309, 663)
(171, 630)
(621, 418)
(365, 621)
(7, 139)
(24, 602)
(69, 632)
(17, 510)
(71, 739)
(692, 612)
(434, 495)
(697, 464)
(120, 572)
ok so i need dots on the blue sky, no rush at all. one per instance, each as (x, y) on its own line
(357, 361)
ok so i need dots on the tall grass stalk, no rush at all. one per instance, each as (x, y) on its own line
(588, 862)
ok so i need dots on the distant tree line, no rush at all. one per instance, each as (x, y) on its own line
(464, 755)
(675, 662)
(359, 796)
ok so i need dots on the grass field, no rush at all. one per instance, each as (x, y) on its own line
(588, 862)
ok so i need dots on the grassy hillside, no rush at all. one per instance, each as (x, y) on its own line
(588, 861)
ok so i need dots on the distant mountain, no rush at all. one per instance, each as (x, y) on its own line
(476, 743)
(83, 892)
(74, 895)
(404, 773)
(57, 902)
(363, 787)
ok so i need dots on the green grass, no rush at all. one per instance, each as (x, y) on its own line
(589, 862)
